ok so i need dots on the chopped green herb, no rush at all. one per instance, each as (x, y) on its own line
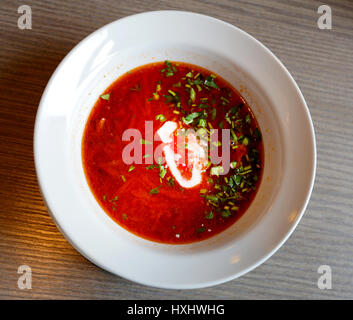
(233, 164)
(200, 230)
(169, 69)
(245, 141)
(202, 123)
(151, 166)
(177, 85)
(237, 179)
(209, 215)
(142, 141)
(163, 172)
(217, 143)
(155, 190)
(197, 82)
(216, 171)
(105, 96)
(161, 117)
(170, 181)
(227, 118)
(233, 109)
(234, 136)
(209, 82)
(212, 198)
(169, 98)
(214, 113)
(131, 168)
(224, 100)
(192, 94)
(226, 214)
(190, 118)
(257, 134)
(201, 132)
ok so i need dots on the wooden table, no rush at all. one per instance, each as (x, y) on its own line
(321, 61)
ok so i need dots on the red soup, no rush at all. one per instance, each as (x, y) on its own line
(134, 166)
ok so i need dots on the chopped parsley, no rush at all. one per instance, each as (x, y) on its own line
(142, 141)
(209, 82)
(155, 190)
(105, 96)
(169, 70)
(161, 117)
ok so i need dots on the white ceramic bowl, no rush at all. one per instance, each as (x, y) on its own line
(288, 134)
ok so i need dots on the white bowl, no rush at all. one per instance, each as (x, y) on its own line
(288, 134)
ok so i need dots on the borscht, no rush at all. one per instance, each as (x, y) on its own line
(172, 152)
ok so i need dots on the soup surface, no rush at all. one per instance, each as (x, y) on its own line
(150, 148)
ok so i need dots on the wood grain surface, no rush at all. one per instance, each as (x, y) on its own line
(321, 61)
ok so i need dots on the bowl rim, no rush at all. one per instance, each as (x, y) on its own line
(92, 259)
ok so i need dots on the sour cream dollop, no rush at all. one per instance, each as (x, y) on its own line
(197, 156)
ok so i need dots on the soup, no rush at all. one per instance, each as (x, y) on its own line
(151, 153)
